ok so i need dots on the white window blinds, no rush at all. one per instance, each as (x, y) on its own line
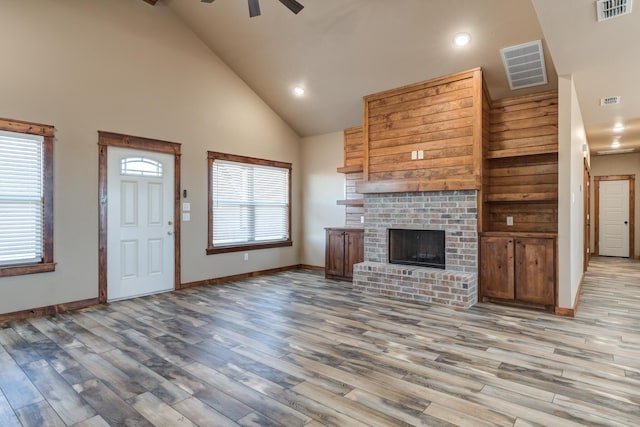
(21, 204)
(250, 203)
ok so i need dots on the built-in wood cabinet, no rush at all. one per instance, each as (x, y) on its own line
(519, 268)
(344, 248)
(519, 212)
(497, 276)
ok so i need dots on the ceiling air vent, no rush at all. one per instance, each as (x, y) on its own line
(611, 100)
(608, 9)
(622, 151)
(524, 65)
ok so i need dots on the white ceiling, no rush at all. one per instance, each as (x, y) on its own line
(342, 50)
(604, 59)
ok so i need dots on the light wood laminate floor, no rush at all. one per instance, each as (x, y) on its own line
(294, 349)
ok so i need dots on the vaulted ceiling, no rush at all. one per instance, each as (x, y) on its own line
(342, 50)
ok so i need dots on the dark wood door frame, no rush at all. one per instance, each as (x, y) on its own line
(586, 190)
(110, 139)
(596, 208)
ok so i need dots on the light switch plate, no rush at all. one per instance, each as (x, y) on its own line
(510, 221)
(186, 217)
(186, 207)
(414, 155)
(420, 154)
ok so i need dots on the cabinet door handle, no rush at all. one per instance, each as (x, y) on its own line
(510, 241)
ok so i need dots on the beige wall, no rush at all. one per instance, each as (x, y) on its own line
(570, 193)
(124, 66)
(321, 187)
(619, 164)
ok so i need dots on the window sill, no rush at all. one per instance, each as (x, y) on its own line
(247, 247)
(19, 270)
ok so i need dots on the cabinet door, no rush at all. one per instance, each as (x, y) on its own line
(354, 250)
(334, 253)
(535, 270)
(496, 267)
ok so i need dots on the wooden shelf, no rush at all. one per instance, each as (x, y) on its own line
(350, 169)
(350, 202)
(521, 152)
(522, 197)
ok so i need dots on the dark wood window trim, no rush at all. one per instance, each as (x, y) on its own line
(632, 209)
(46, 131)
(211, 157)
(110, 139)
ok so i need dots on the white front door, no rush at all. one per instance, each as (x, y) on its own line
(140, 212)
(614, 218)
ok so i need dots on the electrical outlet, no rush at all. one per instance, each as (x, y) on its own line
(361, 219)
(186, 217)
(246, 256)
(510, 221)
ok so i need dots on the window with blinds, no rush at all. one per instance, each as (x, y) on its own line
(21, 198)
(249, 202)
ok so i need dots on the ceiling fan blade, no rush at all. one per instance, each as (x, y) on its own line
(254, 8)
(292, 5)
(207, 1)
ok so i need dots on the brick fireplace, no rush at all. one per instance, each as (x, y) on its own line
(454, 212)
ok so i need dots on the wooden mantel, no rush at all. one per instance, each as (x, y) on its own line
(407, 186)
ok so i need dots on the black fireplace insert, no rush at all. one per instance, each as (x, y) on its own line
(417, 247)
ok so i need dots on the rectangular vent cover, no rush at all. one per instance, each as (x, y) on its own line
(611, 100)
(619, 151)
(524, 65)
(608, 9)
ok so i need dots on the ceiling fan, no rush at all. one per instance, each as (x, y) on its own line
(254, 6)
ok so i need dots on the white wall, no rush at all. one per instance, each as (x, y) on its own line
(321, 186)
(124, 66)
(618, 164)
(570, 193)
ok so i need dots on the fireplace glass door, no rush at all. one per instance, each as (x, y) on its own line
(417, 247)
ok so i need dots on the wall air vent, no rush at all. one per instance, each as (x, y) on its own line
(524, 65)
(622, 151)
(610, 100)
(608, 9)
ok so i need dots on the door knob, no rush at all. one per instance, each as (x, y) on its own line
(170, 233)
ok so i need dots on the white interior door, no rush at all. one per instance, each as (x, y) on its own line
(614, 218)
(140, 212)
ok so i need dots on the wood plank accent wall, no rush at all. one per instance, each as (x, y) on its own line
(484, 179)
(353, 150)
(521, 164)
(353, 212)
(353, 165)
(443, 118)
(524, 125)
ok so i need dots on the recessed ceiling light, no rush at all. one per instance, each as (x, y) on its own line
(618, 127)
(615, 144)
(461, 39)
(298, 91)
